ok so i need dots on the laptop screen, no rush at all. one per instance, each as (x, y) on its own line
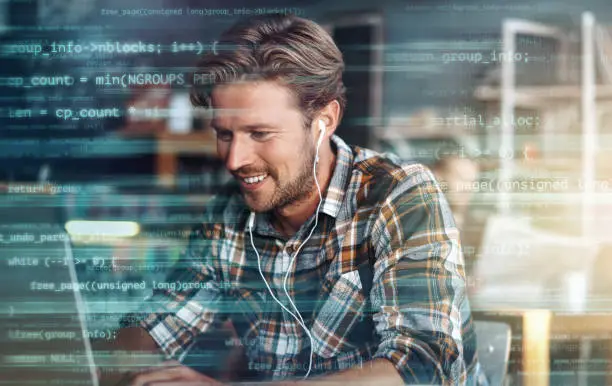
(41, 330)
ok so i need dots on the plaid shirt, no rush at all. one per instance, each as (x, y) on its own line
(376, 211)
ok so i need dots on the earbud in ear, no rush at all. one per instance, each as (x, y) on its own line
(321, 132)
(320, 140)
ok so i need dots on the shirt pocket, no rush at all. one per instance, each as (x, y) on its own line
(341, 310)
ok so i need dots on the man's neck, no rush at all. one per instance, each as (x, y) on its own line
(288, 220)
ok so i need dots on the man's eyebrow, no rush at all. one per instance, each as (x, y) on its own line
(257, 126)
(251, 127)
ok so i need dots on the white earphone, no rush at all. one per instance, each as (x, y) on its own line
(251, 223)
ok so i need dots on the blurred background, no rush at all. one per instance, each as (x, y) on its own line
(508, 102)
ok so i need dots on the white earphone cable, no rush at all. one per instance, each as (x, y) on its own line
(298, 251)
(298, 318)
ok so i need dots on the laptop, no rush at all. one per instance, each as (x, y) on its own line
(43, 330)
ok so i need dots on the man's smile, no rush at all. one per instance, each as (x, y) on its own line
(253, 182)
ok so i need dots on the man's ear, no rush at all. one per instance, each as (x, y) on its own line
(330, 115)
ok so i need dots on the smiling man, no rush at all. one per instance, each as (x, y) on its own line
(334, 263)
(270, 152)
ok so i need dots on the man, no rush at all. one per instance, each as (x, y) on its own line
(361, 284)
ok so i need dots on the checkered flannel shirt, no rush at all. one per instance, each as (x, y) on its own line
(377, 210)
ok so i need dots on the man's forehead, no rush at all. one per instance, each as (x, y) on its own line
(224, 118)
(266, 103)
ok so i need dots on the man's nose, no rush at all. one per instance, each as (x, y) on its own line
(239, 155)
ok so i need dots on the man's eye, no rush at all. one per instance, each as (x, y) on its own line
(259, 134)
(224, 136)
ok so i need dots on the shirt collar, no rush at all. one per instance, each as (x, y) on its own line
(340, 177)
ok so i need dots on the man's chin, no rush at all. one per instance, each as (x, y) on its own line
(255, 205)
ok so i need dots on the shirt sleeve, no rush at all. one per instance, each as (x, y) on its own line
(187, 303)
(419, 283)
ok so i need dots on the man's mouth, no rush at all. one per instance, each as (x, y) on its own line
(253, 182)
(254, 179)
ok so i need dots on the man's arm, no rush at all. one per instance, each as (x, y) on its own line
(132, 340)
(418, 291)
(375, 372)
(419, 282)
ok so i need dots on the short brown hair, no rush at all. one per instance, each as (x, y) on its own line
(296, 52)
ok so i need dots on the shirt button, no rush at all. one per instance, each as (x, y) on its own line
(290, 249)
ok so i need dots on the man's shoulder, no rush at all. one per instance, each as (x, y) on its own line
(387, 172)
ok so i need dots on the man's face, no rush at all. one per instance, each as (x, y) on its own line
(260, 134)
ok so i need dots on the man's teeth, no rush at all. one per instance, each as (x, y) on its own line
(252, 180)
